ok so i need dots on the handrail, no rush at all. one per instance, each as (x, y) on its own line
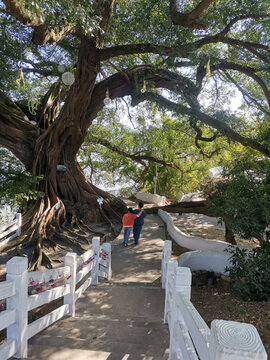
(12, 230)
(190, 337)
(24, 291)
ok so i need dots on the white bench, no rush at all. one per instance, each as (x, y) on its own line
(11, 230)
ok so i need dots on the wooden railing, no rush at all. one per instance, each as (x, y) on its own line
(24, 291)
(12, 230)
(190, 337)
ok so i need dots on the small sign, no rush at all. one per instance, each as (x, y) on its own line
(57, 206)
(100, 200)
(61, 168)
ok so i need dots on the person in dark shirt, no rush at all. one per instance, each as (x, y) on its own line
(138, 223)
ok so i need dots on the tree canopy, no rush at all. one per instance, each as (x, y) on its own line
(181, 61)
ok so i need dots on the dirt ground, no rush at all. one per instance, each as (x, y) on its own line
(218, 301)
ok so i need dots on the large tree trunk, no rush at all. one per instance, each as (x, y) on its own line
(69, 207)
(69, 203)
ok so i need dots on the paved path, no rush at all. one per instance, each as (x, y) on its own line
(120, 319)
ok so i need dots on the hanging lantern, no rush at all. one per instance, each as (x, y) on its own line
(68, 78)
(143, 89)
(107, 99)
(61, 68)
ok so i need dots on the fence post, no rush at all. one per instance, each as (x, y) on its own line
(230, 340)
(172, 264)
(107, 247)
(71, 261)
(95, 247)
(19, 229)
(183, 280)
(166, 256)
(17, 272)
(182, 285)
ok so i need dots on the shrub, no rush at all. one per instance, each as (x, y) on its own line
(243, 199)
(250, 272)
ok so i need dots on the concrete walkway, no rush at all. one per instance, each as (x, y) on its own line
(117, 320)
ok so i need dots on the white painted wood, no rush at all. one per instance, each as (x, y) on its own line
(46, 275)
(82, 288)
(17, 272)
(166, 256)
(7, 318)
(13, 230)
(85, 256)
(102, 274)
(197, 327)
(95, 247)
(7, 289)
(182, 281)
(181, 343)
(172, 264)
(69, 299)
(103, 263)
(47, 320)
(108, 248)
(47, 296)
(231, 340)
(81, 274)
(8, 349)
(19, 224)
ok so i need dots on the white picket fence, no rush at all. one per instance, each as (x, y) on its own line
(11, 230)
(190, 337)
(25, 291)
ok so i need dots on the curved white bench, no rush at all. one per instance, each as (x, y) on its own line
(205, 260)
(188, 241)
(209, 255)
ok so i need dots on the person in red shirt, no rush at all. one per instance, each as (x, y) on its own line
(128, 221)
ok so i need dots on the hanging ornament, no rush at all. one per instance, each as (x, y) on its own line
(33, 106)
(61, 68)
(107, 99)
(208, 71)
(68, 78)
(21, 82)
(143, 89)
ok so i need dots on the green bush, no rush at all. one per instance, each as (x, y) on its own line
(243, 198)
(17, 186)
(250, 272)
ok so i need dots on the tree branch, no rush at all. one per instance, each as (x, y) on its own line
(189, 20)
(247, 70)
(115, 51)
(13, 128)
(206, 119)
(250, 46)
(245, 94)
(43, 33)
(138, 158)
(239, 18)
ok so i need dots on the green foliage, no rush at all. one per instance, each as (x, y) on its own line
(173, 143)
(243, 197)
(250, 272)
(17, 187)
(158, 133)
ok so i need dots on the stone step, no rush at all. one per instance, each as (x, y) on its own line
(133, 331)
(65, 353)
(122, 302)
(111, 322)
